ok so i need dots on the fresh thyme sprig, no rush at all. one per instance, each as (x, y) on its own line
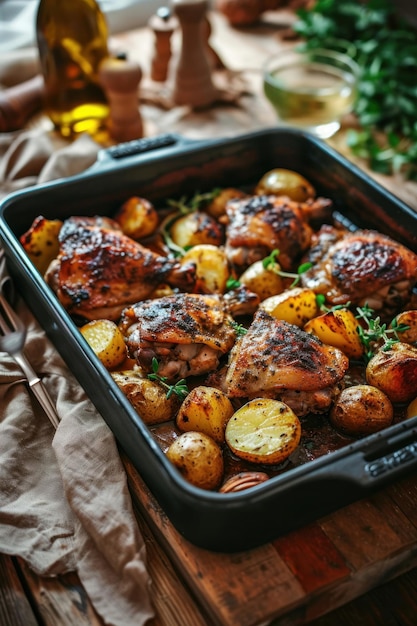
(196, 202)
(239, 328)
(376, 335)
(179, 388)
(270, 263)
(175, 249)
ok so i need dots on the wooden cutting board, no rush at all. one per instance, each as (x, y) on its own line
(304, 574)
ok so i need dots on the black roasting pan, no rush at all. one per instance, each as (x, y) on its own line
(170, 166)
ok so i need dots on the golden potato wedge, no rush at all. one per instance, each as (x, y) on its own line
(41, 243)
(137, 218)
(295, 306)
(412, 409)
(106, 340)
(212, 267)
(263, 431)
(147, 397)
(198, 458)
(361, 410)
(408, 318)
(283, 182)
(339, 329)
(205, 410)
(262, 280)
(196, 228)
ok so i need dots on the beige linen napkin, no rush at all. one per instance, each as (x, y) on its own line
(64, 501)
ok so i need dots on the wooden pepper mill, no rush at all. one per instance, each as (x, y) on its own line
(120, 80)
(193, 84)
(163, 24)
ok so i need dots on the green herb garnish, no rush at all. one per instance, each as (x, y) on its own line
(270, 263)
(239, 328)
(179, 388)
(385, 48)
(376, 335)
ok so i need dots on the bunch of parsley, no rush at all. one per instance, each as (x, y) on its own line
(385, 48)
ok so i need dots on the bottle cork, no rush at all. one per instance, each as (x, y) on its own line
(120, 79)
(193, 81)
(163, 24)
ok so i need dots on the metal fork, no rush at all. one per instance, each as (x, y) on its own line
(12, 340)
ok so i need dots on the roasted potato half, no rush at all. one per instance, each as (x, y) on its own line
(394, 371)
(283, 182)
(408, 318)
(217, 207)
(361, 410)
(295, 306)
(212, 267)
(262, 280)
(107, 341)
(41, 242)
(196, 228)
(137, 218)
(198, 458)
(412, 409)
(205, 410)
(147, 397)
(339, 329)
(263, 431)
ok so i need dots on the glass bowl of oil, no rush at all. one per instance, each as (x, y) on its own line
(311, 89)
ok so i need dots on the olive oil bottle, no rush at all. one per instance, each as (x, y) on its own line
(72, 42)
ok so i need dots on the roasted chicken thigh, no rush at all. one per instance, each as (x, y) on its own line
(361, 267)
(99, 270)
(257, 225)
(186, 333)
(278, 360)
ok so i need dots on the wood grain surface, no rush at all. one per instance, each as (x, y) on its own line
(304, 574)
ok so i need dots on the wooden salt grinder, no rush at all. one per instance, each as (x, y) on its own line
(120, 79)
(193, 83)
(163, 24)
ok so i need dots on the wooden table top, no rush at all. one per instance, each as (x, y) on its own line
(357, 565)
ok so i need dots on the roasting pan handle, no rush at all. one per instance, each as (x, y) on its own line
(380, 464)
(141, 146)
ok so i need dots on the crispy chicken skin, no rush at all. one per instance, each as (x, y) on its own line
(256, 225)
(99, 270)
(186, 333)
(361, 267)
(276, 359)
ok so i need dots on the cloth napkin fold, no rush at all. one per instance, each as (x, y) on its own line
(64, 500)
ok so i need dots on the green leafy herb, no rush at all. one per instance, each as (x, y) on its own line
(376, 335)
(232, 283)
(196, 202)
(385, 48)
(239, 328)
(270, 263)
(179, 388)
(176, 250)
